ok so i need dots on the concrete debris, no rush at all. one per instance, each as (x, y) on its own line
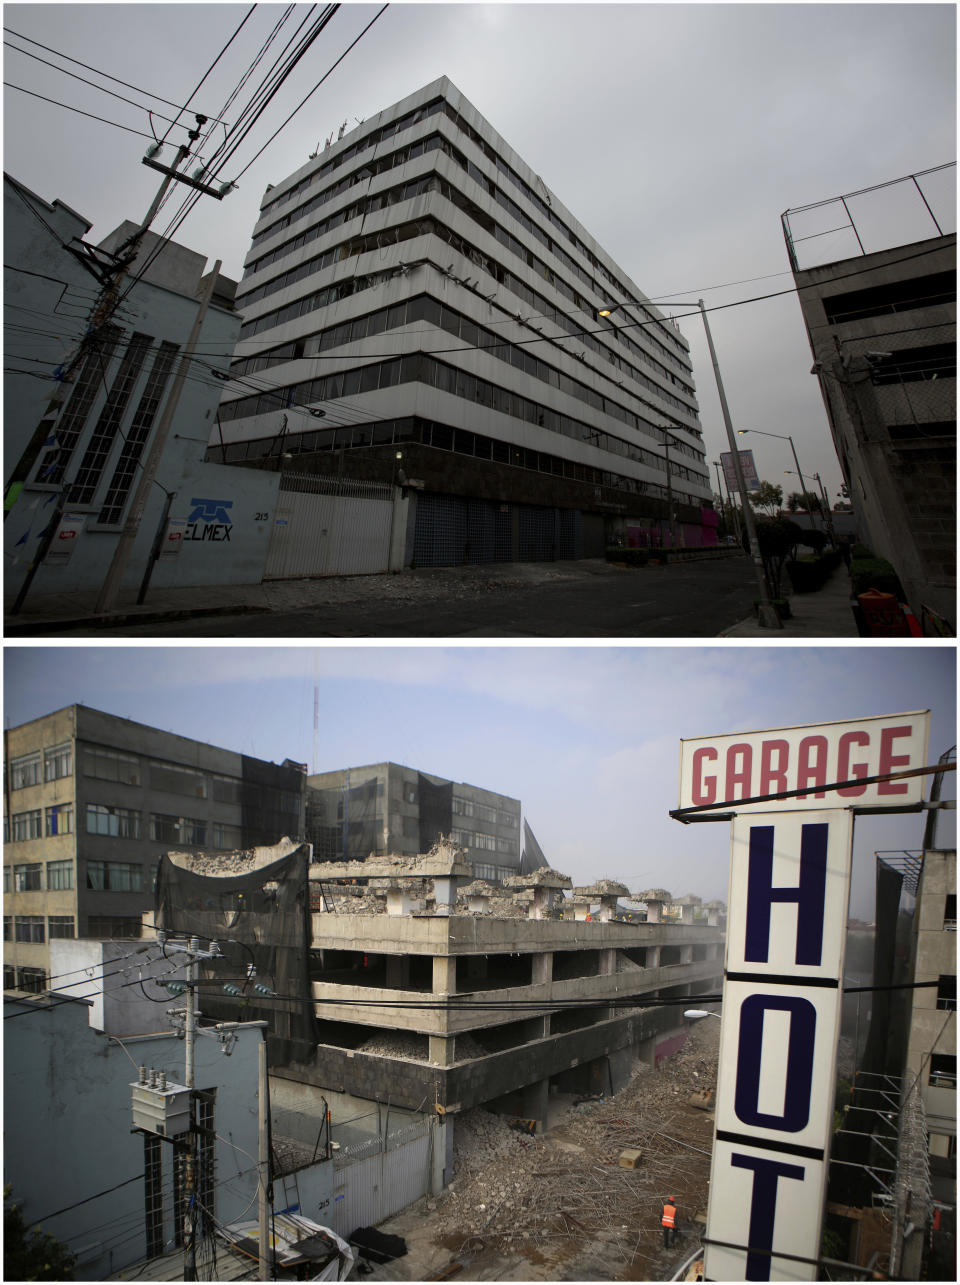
(403, 1044)
(603, 888)
(554, 1205)
(653, 894)
(542, 878)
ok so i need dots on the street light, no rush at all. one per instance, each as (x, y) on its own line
(783, 438)
(824, 498)
(767, 612)
(695, 1013)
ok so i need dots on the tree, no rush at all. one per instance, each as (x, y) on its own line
(767, 496)
(31, 1254)
(804, 501)
(777, 539)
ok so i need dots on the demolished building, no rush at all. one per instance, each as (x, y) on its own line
(433, 996)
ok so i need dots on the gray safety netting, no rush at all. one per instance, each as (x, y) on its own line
(260, 920)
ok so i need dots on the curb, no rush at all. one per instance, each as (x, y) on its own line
(129, 618)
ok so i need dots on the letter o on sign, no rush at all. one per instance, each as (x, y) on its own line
(799, 1062)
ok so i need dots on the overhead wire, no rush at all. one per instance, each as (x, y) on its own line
(216, 60)
(92, 115)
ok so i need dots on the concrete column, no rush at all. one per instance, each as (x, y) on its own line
(398, 901)
(441, 1158)
(445, 894)
(442, 1051)
(444, 974)
(653, 956)
(686, 954)
(654, 912)
(608, 963)
(535, 1098)
(542, 970)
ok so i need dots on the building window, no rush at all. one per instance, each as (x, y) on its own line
(943, 1071)
(506, 845)
(487, 842)
(28, 878)
(947, 991)
(111, 765)
(164, 829)
(178, 780)
(108, 425)
(9, 977)
(120, 823)
(60, 926)
(8, 878)
(59, 876)
(58, 762)
(27, 825)
(226, 836)
(114, 876)
(950, 913)
(462, 837)
(226, 789)
(58, 819)
(8, 927)
(484, 872)
(32, 980)
(509, 819)
(137, 434)
(462, 807)
(25, 771)
(112, 926)
(29, 928)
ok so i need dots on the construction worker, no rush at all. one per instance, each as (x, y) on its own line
(669, 1221)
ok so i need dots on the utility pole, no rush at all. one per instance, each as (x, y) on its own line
(263, 1155)
(190, 1169)
(767, 611)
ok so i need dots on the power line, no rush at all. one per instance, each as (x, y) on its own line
(88, 67)
(66, 106)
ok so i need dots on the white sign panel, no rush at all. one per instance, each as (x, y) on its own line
(788, 895)
(721, 769)
(747, 467)
(755, 1195)
(65, 540)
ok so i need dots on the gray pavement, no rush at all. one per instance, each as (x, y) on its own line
(569, 599)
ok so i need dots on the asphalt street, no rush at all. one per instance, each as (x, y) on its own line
(578, 600)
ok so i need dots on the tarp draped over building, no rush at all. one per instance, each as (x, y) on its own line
(532, 858)
(261, 922)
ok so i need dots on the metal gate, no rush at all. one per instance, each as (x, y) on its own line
(329, 527)
(371, 1187)
(452, 530)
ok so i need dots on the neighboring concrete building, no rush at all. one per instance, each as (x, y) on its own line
(76, 1165)
(82, 439)
(882, 328)
(418, 288)
(92, 800)
(387, 808)
(932, 1038)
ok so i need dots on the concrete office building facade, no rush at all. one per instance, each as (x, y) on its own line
(883, 329)
(92, 800)
(418, 284)
(385, 808)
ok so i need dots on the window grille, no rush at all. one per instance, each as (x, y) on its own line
(108, 425)
(137, 434)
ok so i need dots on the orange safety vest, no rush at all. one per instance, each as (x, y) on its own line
(669, 1218)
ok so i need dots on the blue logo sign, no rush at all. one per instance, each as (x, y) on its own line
(211, 511)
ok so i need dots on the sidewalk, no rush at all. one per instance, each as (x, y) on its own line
(824, 614)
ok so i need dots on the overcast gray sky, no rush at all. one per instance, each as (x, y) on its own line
(587, 738)
(677, 134)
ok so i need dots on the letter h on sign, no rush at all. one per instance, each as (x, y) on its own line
(809, 894)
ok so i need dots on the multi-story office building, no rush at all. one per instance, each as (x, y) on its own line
(386, 808)
(92, 800)
(419, 308)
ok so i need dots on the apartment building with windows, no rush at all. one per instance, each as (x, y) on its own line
(354, 813)
(91, 801)
(419, 309)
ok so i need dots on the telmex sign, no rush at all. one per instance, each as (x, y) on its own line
(787, 912)
(717, 769)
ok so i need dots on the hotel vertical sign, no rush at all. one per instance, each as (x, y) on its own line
(787, 912)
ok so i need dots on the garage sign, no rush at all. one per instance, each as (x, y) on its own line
(780, 1024)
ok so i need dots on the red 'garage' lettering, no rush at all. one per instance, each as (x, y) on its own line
(889, 762)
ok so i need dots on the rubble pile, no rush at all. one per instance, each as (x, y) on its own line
(397, 1044)
(563, 1200)
(218, 863)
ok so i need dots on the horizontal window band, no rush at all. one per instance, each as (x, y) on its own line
(783, 979)
(770, 1144)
